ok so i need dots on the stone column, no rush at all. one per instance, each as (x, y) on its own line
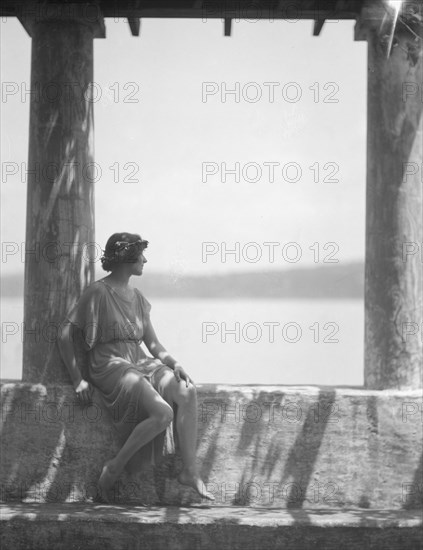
(393, 269)
(59, 259)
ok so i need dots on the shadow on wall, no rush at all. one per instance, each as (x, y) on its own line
(289, 448)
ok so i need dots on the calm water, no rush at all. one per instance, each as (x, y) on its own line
(242, 341)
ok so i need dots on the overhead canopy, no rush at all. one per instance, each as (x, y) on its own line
(134, 10)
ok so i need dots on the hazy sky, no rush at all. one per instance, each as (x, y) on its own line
(173, 129)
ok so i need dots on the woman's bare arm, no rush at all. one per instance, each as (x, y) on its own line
(158, 351)
(70, 349)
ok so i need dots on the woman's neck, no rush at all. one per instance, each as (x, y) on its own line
(119, 277)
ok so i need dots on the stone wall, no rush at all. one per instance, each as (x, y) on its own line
(269, 446)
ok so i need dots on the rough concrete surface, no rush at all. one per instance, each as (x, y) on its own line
(261, 446)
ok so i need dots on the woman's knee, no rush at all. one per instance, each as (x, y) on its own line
(163, 416)
(189, 390)
(131, 379)
(184, 393)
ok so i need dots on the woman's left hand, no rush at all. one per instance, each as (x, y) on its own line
(180, 374)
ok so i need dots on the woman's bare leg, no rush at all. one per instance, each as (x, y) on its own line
(186, 427)
(160, 416)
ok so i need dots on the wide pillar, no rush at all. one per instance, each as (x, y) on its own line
(393, 268)
(60, 249)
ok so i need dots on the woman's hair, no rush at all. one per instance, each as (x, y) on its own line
(122, 248)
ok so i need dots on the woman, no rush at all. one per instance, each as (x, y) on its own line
(111, 319)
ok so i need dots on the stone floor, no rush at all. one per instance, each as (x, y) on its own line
(92, 526)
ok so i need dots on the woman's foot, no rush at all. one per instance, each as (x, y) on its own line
(194, 481)
(108, 478)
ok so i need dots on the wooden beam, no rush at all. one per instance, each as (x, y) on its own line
(318, 25)
(331, 7)
(228, 26)
(69, 12)
(216, 9)
(134, 25)
(26, 24)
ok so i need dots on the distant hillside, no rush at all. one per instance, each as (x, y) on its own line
(327, 281)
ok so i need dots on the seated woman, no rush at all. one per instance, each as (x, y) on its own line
(112, 319)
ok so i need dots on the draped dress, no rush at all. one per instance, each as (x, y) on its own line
(113, 328)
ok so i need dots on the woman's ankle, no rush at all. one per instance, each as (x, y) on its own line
(114, 467)
(190, 471)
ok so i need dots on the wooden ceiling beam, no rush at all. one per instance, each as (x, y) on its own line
(228, 26)
(318, 25)
(330, 8)
(211, 9)
(134, 25)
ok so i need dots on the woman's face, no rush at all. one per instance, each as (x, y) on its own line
(139, 264)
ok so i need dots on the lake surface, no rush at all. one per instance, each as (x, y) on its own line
(241, 341)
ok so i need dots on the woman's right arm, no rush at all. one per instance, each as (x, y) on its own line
(67, 346)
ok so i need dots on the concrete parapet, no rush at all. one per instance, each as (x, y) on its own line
(258, 446)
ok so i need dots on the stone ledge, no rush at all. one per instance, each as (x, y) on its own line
(270, 446)
(74, 526)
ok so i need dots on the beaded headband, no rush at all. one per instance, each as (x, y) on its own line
(124, 245)
(121, 246)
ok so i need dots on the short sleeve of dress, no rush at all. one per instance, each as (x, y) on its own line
(86, 314)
